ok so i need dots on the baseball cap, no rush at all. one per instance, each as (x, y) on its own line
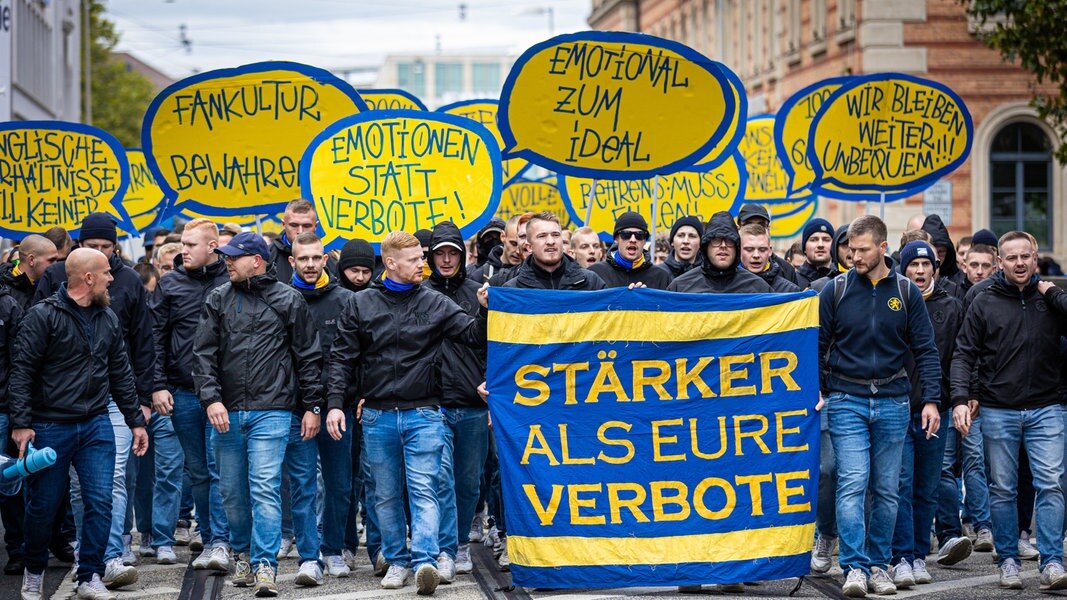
(244, 244)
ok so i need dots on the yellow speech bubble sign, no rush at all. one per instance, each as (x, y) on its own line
(789, 218)
(686, 193)
(614, 105)
(767, 178)
(729, 142)
(485, 112)
(792, 126)
(887, 132)
(391, 99)
(384, 171)
(143, 200)
(227, 141)
(54, 173)
(524, 195)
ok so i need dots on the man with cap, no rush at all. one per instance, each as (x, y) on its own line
(129, 302)
(685, 247)
(36, 254)
(257, 360)
(356, 265)
(629, 264)
(921, 463)
(817, 240)
(756, 258)
(719, 273)
(755, 214)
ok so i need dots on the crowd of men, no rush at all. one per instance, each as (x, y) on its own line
(296, 400)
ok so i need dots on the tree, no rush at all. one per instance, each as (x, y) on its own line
(120, 97)
(1031, 33)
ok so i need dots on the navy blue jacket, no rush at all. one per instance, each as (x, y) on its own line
(866, 338)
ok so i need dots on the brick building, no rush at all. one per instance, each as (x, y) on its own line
(1011, 179)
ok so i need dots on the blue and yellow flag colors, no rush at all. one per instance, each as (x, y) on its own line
(655, 438)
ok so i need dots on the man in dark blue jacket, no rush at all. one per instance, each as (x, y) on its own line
(69, 364)
(870, 319)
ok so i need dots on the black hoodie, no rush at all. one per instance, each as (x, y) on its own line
(773, 277)
(491, 268)
(676, 268)
(10, 315)
(22, 289)
(487, 244)
(568, 276)
(325, 304)
(615, 275)
(462, 367)
(946, 315)
(708, 279)
(937, 230)
(840, 237)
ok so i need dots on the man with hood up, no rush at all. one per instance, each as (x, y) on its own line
(462, 369)
(489, 238)
(946, 250)
(629, 263)
(504, 257)
(756, 255)
(685, 247)
(720, 247)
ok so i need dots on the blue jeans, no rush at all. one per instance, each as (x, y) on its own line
(250, 457)
(89, 447)
(970, 451)
(194, 435)
(335, 457)
(1042, 432)
(123, 439)
(159, 481)
(462, 463)
(826, 514)
(920, 474)
(301, 465)
(868, 437)
(370, 499)
(12, 508)
(405, 447)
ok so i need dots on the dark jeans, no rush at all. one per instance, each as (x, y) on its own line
(335, 456)
(90, 447)
(920, 474)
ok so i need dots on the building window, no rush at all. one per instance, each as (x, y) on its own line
(793, 27)
(485, 78)
(411, 77)
(846, 14)
(1021, 182)
(818, 20)
(448, 79)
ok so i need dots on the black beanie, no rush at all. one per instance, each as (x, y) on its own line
(985, 237)
(98, 226)
(693, 222)
(630, 220)
(424, 235)
(356, 253)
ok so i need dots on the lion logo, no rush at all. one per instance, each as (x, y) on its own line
(895, 304)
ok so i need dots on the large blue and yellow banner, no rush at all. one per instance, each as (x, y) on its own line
(655, 438)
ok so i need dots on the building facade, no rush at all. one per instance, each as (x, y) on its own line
(40, 60)
(439, 79)
(1011, 180)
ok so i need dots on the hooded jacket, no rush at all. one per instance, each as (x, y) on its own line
(176, 308)
(22, 289)
(486, 245)
(709, 279)
(568, 276)
(773, 276)
(10, 316)
(840, 237)
(616, 275)
(1010, 339)
(946, 316)
(68, 363)
(387, 344)
(493, 269)
(808, 273)
(324, 305)
(256, 348)
(462, 367)
(937, 230)
(129, 302)
(676, 268)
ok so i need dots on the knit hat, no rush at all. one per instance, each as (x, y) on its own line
(693, 222)
(815, 226)
(984, 237)
(424, 235)
(630, 220)
(915, 250)
(749, 211)
(98, 226)
(356, 253)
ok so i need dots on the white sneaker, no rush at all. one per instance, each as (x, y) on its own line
(1027, 550)
(196, 542)
(396, 577)
(94, 590)
(285, 549)
(491, 537)
(118, 575)
(504, 561)
(855, 585)
(983, 540)
(242, 572)
(969, 532)
(1053, 577)
(201, 562)
(1009, 575)
(165, 555)
(128, 557)
(146, 549)
(336, 566)
(349, 558)
(903, 576)
(953, 551)
(880, 583)
(426, 579)
(464, 564)
(219, 559)
(922, 575)
(181, 534)
(380, 564)
(477, 532)
(310, 574)
(821, 555)
(446, 567)
(32, 585)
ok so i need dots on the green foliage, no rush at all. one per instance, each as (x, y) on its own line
(120, 97)
(1032, 33)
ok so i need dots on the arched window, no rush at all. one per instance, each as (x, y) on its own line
(1020, 162)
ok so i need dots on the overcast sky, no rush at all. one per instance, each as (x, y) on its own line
(333, 34)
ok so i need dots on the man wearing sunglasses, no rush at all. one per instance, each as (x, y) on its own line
(629, 264)
(720, 246)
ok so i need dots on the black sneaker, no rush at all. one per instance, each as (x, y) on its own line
(14, 566)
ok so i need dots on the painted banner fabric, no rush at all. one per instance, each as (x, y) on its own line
(653, 438)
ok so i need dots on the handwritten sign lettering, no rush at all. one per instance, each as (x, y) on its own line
(390, 99)
(485, 113)
(523, 196)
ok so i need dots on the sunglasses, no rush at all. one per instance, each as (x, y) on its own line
(635, 235)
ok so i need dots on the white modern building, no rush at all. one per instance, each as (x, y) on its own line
(40, 59)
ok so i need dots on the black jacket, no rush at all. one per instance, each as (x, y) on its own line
(774, 278)
(710, 280)
(129, 302)
(787, 270)
(568, 276)
(325, 305)
(937, 230)
(1008, 345)
(22, 289)
(946, 316)
(68, 363)
(10, 316)
(676, 268)
(462, 367)
(808, 273)
(492, 266)
(256, 348)
(615, 275)
(387, 342)
(176, 308)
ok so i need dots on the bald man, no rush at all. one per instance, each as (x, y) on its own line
(68, 359)
(36, 254)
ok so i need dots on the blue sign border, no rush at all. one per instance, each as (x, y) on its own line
(742, 121)
(463, 103)
(779, 125)
(399, 92)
